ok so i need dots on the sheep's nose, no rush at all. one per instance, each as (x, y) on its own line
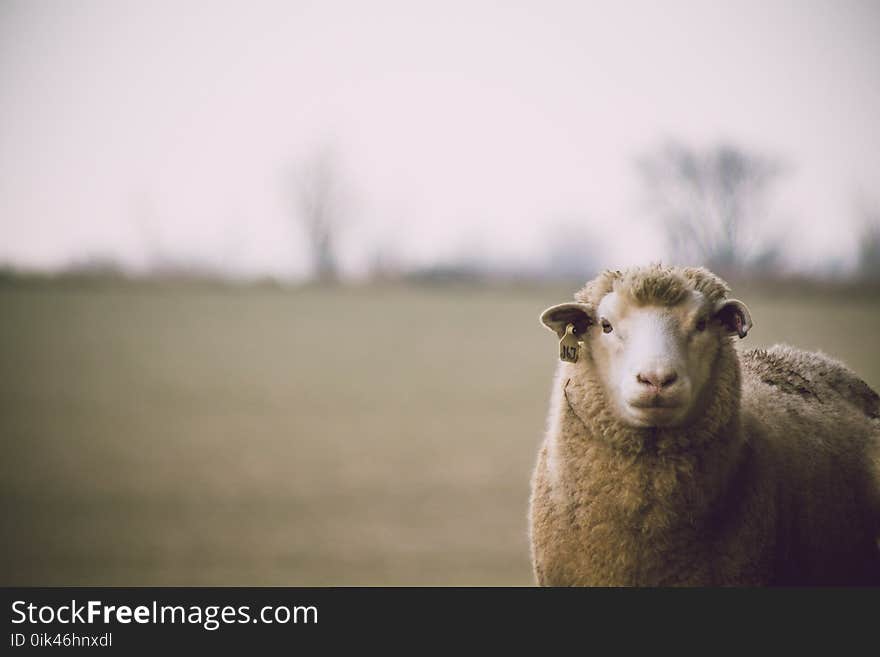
(657, 378)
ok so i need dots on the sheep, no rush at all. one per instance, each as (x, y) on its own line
(669, 459)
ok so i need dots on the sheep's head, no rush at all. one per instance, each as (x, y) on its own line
(651, 336)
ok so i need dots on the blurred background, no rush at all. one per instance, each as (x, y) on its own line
(270, 272)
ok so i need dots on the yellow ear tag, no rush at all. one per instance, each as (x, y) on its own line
(568, 345)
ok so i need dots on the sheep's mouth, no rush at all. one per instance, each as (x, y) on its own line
(655, 403)
(655, 413)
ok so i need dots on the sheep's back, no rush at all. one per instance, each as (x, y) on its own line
(818, 426)
(813, 376)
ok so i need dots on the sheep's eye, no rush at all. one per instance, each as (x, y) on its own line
(606, 326)
(701, 325)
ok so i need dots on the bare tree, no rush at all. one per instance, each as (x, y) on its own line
(320, 199)
(711, 204)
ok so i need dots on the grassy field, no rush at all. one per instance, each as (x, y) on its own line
(257, 436)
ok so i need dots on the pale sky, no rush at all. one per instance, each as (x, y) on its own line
(475, 128)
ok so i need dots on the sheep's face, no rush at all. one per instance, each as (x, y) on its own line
(653, 360)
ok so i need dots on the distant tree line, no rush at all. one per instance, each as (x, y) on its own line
(712, 206)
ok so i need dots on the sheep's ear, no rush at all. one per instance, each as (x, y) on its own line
(556, 318)
(734, 317)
